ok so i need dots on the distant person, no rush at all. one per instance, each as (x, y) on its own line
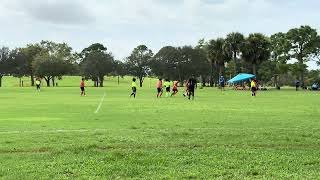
(167, 86)
(82, 87)
(175, 88)
(222, 83)
(134, 88)
(38, 84)
(253, 87)
(192, 85)
(297, 85)
(159, 88)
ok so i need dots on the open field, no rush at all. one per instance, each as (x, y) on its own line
(58, 134)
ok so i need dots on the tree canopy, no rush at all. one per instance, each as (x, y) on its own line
(279, 59)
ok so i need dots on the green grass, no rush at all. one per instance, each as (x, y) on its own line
(55, 134)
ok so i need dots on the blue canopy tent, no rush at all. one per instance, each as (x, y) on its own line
(241, 77)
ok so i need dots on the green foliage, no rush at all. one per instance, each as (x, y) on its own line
(53, 61)
(4, 64)
(96, 65)
(50, 67)
(167, 63)
(94, 47)
(138, 63)
(233, 43)
(218, 54)
(256, 50)
(179, 63)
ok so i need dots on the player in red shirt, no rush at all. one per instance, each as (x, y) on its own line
(175, 88)
(82, 86)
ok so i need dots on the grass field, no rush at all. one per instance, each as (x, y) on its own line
(55, 134)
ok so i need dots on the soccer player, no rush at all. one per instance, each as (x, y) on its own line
(192, 84)
(167, 86)
(253, 87)
(222, 83)
(134, 88)
(297, 85)
(186, 85)
(82, 87)
(159, 88)
(175, 88)
(38, 84)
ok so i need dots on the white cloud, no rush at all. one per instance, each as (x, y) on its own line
(124, 24)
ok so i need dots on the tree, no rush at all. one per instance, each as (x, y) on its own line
(96, 65)
(4, 68)
(94, 47)
(51, 67)
(304, 45)
(18, 64)
(167, 63)
(233, 44)
(119, 70)
(138, 62)
(256, 50)
(217, 56)
(201, 62)
(279, 55)
(30, 53)
(54, 61)
(313, 77)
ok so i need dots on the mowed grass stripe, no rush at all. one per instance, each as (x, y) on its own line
(100, 103)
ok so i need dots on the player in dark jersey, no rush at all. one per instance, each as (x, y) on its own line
(192, 85)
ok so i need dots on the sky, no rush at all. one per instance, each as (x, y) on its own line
(121, 25)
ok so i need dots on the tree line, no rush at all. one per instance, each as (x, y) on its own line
(266, 57)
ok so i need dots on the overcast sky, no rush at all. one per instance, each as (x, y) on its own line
(121, 25)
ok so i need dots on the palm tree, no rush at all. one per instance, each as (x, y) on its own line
(217, 55)
(255, 50)
(233, 44)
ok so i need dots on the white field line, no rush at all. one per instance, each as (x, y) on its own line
(148, 129)
(101, 101)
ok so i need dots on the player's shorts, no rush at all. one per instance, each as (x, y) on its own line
(168, 89)
(134, 89)
(175, 90)
(82, 88)
(253, 89)
(191, 88)
(222, 85)
(38, 86)
(159, 90)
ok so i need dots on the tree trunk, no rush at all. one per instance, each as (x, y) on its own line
(48, 82)
(236, 70)
(181, 81)
(47, 79)
(32, 80)
(53, 82)
(276, 81)
(118, 80)
(203, 79)
(1, 80)
(302, 79)
(20, 82)
(101, 81)
(221, 70)
(254, 69)
(211, 75)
